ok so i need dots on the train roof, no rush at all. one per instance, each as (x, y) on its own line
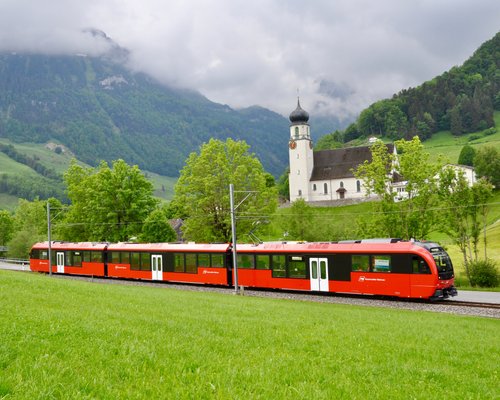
(56, 245)
(171, 247)
(332, 247)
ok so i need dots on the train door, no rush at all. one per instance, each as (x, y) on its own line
(318, 271)
(157, 267)
(60, 262)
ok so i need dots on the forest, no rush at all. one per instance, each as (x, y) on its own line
(461, 100)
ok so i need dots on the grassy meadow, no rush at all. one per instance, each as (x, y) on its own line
(82, 340)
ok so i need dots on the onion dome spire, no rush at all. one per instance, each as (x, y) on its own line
(299, 115)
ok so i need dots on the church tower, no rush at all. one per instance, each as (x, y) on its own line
(300, 150)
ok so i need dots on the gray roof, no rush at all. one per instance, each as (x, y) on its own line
(339, 163)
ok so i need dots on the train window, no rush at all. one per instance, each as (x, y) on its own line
(75, 258)
(115, 257)
(360, 263)
(381, 263)
(96, 256)
(44, 255)
(145, 262)
(420, 266)
(218, 260)
(178, 262)
(262, 262)
(279, 266)
(322, 269)
(86, 256)
(125, 258)
(191, 266)
(245, 260)
(296, 267)
(204, 260)
(135, 261)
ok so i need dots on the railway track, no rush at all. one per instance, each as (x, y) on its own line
(473, 304)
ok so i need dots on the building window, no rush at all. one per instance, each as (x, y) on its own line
(296, 132)
(325, 187)
(300, 193)
(298, 172)
(341, 184)
(314, 187)
(358, 186)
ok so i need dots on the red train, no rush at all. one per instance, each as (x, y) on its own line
(389, 267)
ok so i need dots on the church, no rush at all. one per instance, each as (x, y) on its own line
(326, 175)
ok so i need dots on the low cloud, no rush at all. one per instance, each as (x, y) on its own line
(341, 55)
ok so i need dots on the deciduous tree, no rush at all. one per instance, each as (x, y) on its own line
(6, 227)
(487, 164)
(414, 217)
(109, 204)
(463, 212)
(157, 229)
(203, 190)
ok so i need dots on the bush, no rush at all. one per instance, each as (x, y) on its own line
(490, 131)
(483, 273)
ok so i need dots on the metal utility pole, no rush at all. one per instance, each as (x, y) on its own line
(48, 235)
(233, 231)
(233, 228)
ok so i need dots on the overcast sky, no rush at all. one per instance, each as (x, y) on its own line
(341, 54)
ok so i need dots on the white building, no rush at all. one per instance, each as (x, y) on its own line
(325, 175)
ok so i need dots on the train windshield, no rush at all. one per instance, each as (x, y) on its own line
(443, 262)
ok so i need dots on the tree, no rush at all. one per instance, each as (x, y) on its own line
(298, 223)
(413, 217)
(107, 204)
(464, 212)
(283, 184)
(157, 229)
(203, 189)
(6, 227)
(30, 225)
(331, 141)
(487, 164)
(466, 156)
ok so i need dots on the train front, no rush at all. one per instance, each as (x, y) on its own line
(446, 276)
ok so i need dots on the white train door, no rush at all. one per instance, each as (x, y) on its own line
(318, 271)
(60, 262)
(157, 267)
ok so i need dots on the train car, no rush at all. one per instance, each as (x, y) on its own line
(84, 258)
(387, 267)
(173, 262)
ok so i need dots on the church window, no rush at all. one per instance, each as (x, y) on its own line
(300, 193)
(358, 186)
(341, 184)
(325, 186)
(298, 156)
(296, 132)
(314, 187)
(298, 172)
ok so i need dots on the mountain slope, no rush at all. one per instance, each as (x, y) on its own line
(100, 110)
(461, 100)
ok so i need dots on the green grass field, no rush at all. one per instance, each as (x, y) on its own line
(444, 143)
(163, 185)
(81, 340)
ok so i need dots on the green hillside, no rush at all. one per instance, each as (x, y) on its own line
(462, 100)
(100, 110)
(21, 175)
